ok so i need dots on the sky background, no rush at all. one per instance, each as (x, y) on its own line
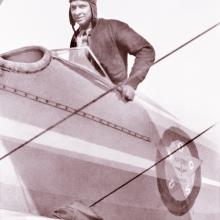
(187, 83)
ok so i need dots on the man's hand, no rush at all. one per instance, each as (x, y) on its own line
(127, 92)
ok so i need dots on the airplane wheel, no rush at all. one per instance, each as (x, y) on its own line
(179, 176)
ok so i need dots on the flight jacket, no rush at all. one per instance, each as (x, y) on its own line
(111, 41)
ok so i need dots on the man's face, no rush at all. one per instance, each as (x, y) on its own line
(81, 12)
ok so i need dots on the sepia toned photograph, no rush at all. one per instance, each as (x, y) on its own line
(109, 110)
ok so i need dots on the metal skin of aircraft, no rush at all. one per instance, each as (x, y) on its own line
(67, 136)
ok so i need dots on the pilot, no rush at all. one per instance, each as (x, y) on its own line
(111, 41)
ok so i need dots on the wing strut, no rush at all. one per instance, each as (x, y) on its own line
(101, 96)
(152, 166)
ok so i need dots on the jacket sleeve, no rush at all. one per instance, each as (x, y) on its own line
(136, 45)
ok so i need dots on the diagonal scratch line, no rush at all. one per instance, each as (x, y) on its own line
(188, 42)
(152, 166)
(58, 122)
(100, 96)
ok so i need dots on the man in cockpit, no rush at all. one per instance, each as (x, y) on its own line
(111, 41)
